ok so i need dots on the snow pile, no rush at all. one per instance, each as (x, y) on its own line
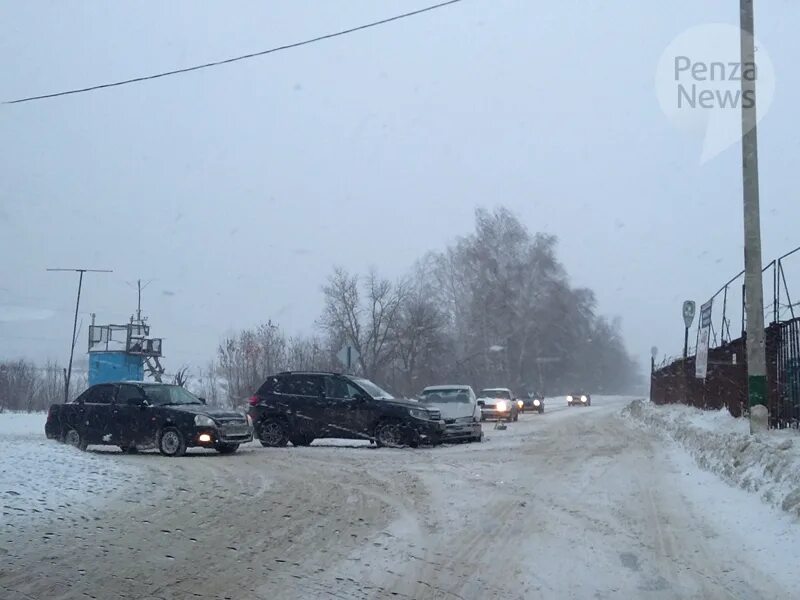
(43, 478)
(767, 464)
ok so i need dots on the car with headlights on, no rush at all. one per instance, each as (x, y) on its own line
(137, 416)
(459, 408)
(498, 404)
(580, 399)
(533, 402)
(301, 406)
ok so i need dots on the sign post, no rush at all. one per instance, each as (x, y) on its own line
(688, 319)
(347, 355)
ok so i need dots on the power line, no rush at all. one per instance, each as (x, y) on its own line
(225, 61)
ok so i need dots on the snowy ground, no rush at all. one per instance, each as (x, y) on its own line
(768, 464)
(575, 503)
(40, 479)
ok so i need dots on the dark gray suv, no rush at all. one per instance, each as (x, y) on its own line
(299, 407)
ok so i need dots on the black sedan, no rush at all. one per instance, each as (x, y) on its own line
(135, 415)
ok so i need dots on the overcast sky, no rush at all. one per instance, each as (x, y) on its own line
(237, 189)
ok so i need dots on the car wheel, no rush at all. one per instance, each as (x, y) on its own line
(272, 434)
(171, 442)
(301, 440)
(129, 449)
(227, 448)
(73, 438)
(541, 410)
(478, 438)
(389, 434)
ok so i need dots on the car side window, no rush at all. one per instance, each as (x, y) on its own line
(273, 385)
(304, 385)
(100, 394)
(130, 395)
(336, 388)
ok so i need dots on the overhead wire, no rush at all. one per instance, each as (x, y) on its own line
(226, 61)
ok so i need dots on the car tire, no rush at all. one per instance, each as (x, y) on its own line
(171, 442)
(301, 440)
(129, 449)
(390, 434)
(75, 439)
(541, 410)
(273, 433)
(226, 448)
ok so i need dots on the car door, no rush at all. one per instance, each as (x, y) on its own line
(303, 396)
(348, 410)
(98, 418)
(130, 422)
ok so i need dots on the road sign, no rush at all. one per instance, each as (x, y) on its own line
(705, 314)
(701, 355)
(689, 308)
(347, 356)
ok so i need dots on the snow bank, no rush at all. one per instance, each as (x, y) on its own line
(767, 464)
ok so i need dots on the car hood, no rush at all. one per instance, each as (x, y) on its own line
(451, 410)
(492, 401)
(402, 402)
(202, 409)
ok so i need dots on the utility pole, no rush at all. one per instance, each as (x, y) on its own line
(754, 293)
(68, 372)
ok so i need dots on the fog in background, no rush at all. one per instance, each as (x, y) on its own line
(237, 189)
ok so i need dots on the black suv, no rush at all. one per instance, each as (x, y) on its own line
(134, 415)
(299, 407)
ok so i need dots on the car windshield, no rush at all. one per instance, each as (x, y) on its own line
(164, 395)
(373, 390)
(504, 394)
(454, 396)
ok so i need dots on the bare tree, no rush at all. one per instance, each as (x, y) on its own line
(369, 324)
(181, 376)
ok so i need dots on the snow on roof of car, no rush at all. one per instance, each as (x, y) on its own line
(446, 387)
(495, 390)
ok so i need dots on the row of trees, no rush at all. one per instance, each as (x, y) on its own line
(495, 308)
(26, 387)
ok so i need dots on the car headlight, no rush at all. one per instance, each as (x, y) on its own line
(583, 398)
(419, 413)
(537, 402)
(569, 398)
(502, 406)
(204, 421)
(520, 403)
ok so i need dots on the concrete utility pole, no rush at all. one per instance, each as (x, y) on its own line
(754, 293)
(68, 370)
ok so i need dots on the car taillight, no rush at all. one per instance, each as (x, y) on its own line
(253, 400)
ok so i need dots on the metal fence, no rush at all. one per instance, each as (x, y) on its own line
(785, 411)
(726, 382)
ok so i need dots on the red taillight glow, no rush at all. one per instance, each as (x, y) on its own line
(253, 400)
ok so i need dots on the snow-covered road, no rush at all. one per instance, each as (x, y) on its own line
(575, 503)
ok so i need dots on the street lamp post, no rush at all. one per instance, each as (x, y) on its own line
(754, 294)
